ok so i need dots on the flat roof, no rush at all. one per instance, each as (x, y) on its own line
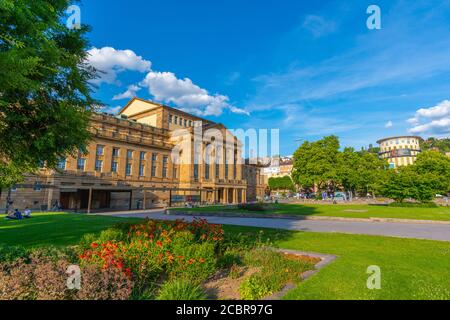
(398, 137)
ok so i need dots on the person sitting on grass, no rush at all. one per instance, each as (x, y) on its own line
(16, 215)
(27, 213)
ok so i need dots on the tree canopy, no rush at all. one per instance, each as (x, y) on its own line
(315, 163)
(281, 183)
(45, 97)
(363, 171)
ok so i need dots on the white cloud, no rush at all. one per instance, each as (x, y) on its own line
(433, 120)
(166, 87)
(112, 110)
(130, 93)
(388, 124)
(318, 26)
(110, 62)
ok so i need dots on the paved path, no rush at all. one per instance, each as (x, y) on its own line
(394, 229)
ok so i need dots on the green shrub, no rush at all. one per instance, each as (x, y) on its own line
(11, 253)
(191, 260)
(180, 289)
(86, 241)
(229, 258)
(414, 204)
(276, 270)
(112, 234)
(254, 288)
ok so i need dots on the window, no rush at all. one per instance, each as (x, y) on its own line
(207, 171)
(190, 123)
(181, 121)
(81, 162)
(115, 152)
(98, 165)
(234, 166)
(226, 165)
(128, 169)
(61, 164)
(218, 157)
(130, 154)
(154, 159)
(195, 170)
(114, 166)
(176, 120)
(141, 170)
(100, 150)
(165, 164)
(185, 122)
(142, 155)
(174, 172)
(37, 186)
(170, 118)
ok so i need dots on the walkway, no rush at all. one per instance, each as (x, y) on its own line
(394, 229)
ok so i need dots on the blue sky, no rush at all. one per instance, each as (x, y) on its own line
(308, 68)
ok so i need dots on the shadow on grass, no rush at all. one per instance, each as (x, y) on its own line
(58, 229)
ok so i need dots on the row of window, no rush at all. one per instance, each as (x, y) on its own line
(398, 141)
(180, 121)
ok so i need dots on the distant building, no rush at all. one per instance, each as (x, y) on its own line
(279, 167)
(400, 151)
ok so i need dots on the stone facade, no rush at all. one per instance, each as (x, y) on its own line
(147, 155)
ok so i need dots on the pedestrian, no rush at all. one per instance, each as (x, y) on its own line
(27, 213)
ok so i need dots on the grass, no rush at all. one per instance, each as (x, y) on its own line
(410, 269)
(340, 210)
(58, 229)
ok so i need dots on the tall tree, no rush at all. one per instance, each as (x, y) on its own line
(436, 164)
(406, 182)
(315, 163)
(360, 171)
(45, 97)
(281, 183)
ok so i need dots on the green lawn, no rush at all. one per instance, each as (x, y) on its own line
(411, 269)
(339, 210)
(58, 229)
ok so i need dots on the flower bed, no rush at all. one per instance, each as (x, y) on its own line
(152, 260)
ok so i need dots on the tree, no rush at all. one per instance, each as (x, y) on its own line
(436, 164)
(360, 171)
(442, 145)
(315, 163)
(281, 183)
(45, 97)
(407, 182)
